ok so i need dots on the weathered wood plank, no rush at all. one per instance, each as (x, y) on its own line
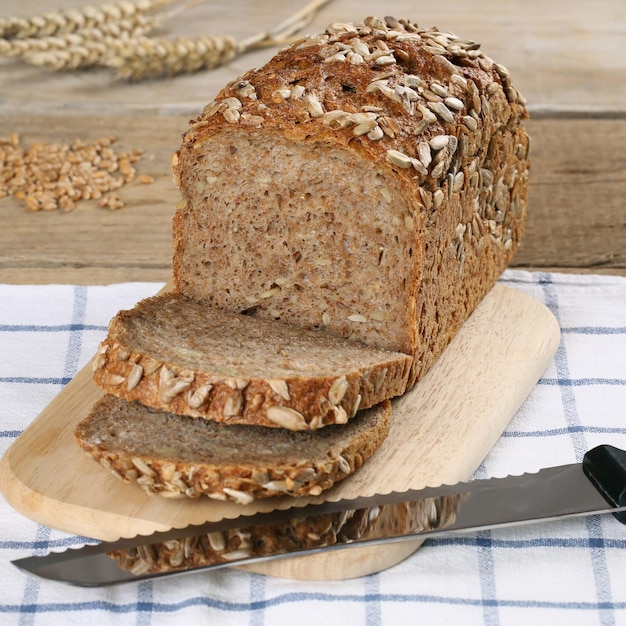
(577, 216)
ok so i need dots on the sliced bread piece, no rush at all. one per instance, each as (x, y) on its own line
(170, 352)
(175, 456)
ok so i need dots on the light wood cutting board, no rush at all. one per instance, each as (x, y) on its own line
(442, 430)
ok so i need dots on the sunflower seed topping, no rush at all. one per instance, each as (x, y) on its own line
(338, 390)
(287, 418)
(343, 465)
(399, 158)
(199, 396)
(313, 104)
(442, 111)
(280, 388)
(380, 379)
(241, 497)
(453, 103)
(439, 141)
(113, 379)
(136, 374)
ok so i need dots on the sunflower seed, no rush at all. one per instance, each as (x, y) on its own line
(241, 497)
(343, 465)
(445, 63)
(338, 390)
(376, 133)
(233, 406)
(425, 155)
(199, 396)
(314, 106)
(341, 417)
(364, 128)
(440, 109)
(438, 198)
(453, 103)
(113, 379)
(386, 59)
(470, 122)
(136, 374)
(336, 119)
(150, 366)
(280, 388)
(356, 317)
(459, 179)
(438, 170)
(286, 418)
(439, 141)
(426, 113)
(380, 379)
(276, 485)
(143, 467)
(399, 158)
(440, 90)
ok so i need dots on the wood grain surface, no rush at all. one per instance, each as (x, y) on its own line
(566, 58)
(441, 431)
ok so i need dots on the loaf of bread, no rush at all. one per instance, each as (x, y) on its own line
(170, 352)
(370, 181)
(344, 209)
(177, 456)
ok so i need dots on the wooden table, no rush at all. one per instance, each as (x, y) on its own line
(567, 59)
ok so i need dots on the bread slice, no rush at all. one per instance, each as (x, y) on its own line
(176, 456)
(170, 352)
(372, 180)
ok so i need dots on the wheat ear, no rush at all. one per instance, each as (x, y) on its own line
(73, 20)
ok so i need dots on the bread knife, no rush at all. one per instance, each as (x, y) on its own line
(595, 486)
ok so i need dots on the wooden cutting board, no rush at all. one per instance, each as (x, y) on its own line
(442, 430)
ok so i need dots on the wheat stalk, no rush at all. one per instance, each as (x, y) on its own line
(147, 57)
(115, 36)
(43, 50)
(74, 20)
(152, 58)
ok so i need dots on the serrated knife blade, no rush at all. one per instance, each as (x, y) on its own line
(595, 486)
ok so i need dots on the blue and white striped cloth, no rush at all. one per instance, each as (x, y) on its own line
(571, 572)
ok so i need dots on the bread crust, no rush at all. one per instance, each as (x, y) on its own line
(176, 456)
(171, 353)
(445, 130)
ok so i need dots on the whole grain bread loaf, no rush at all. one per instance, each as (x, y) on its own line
(177, 456)
(370, 181)
(172, 353)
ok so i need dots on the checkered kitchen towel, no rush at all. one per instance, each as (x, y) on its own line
(571, 572)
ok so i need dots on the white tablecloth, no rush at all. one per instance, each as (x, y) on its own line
(569, 572)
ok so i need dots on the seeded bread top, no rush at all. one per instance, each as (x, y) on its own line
(419, 98)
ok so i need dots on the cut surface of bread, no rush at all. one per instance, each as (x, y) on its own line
(172, 353)
(371, 180)
(177, 456)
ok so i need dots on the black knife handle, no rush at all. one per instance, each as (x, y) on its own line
(605, 466)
